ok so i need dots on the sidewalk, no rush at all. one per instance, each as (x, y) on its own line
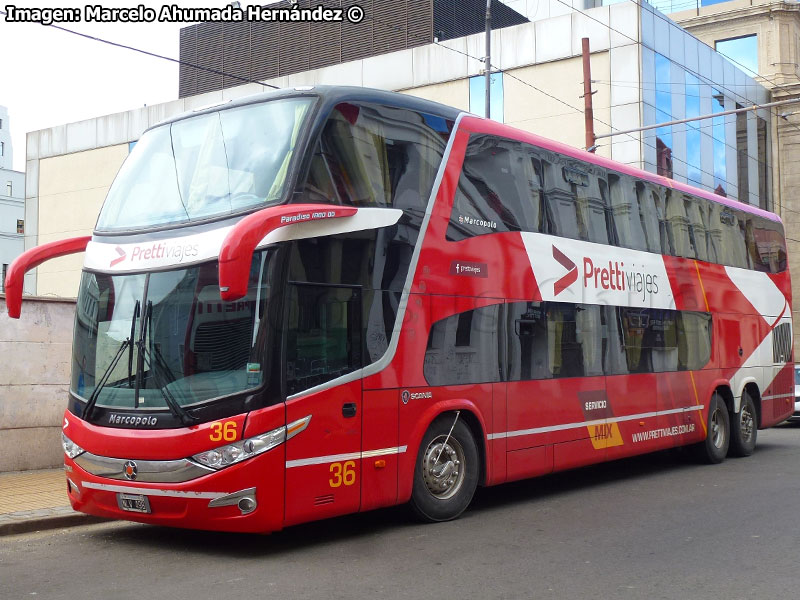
(36, 500)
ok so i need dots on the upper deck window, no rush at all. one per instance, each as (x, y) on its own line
(210, 165)
(500, 189)
(375, 155)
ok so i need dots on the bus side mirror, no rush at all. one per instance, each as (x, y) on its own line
(30, 259)
(237, 249)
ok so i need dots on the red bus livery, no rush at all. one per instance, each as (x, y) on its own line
(320, 301)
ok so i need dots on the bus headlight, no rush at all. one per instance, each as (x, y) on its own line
(71, 449)
(224, 456)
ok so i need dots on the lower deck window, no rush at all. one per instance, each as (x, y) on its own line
(521, 341)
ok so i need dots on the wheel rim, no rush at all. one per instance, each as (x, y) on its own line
(717, 428)
(443, 477)
(746, 423)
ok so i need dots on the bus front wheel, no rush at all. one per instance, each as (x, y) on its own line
(744, 428)
(715, 447)
(446, 471)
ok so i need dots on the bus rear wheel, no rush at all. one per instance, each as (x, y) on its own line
(714, 448)
(744, 428)
(446, 472)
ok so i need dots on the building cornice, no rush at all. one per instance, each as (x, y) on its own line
(690, 20)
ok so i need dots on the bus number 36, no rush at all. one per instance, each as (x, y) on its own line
(223, 431)
(342, 473)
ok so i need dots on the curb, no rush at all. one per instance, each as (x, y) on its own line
(45, 523)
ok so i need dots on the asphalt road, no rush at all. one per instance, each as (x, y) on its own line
(651, 527)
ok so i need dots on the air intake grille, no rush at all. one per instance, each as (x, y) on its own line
(782, 343)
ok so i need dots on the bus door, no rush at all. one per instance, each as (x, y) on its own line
(323, 343)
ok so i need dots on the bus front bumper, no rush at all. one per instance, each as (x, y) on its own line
(246, 497)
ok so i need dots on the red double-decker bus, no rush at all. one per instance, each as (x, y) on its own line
(328, 300)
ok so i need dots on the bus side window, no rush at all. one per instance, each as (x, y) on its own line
(697, 226)
(678, 225)
(323, 335)
(463, 348)
(753, 253)
(634, 322)
(661, 338)
(535, 182)
(561, 201)
(590, 335)
(771, 246)
(724, 224)
(527, 341)
(625, 209)
(651, 216)
(593, 208)
(498, 190)
(565, 352)
(375, 155)
(694, 340)
(615, 361)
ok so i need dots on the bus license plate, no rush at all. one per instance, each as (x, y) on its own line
(133, 502)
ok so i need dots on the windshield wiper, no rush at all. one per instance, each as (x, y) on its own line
(136, 310)
(172, 403)
(157, 367)
(87, 411)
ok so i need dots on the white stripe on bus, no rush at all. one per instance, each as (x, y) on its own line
(321, 460)
(153, 492)
(565, 426)
(777, 396)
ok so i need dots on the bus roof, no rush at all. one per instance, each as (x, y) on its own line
(330, 94)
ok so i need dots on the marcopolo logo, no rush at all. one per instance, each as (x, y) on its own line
(133, 420)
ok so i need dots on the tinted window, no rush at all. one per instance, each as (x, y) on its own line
(726, 237)
(499, 189)
(652, 215)
(373, 260)
(576, 197)
(373, 155)
(697, 226)
(771, 246)
(463, 348)
(660, 340)
(323, 335)
(509, 186)
(552, 339)
(628, 222)
(678, 226)
(546, 340)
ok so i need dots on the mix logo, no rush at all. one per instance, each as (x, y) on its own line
(572, 272)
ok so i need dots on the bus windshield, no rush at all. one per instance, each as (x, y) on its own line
(206, 166)
(169, 336)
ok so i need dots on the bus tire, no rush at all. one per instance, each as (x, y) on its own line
(744, 428)
(714, 448)
(443, 489)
